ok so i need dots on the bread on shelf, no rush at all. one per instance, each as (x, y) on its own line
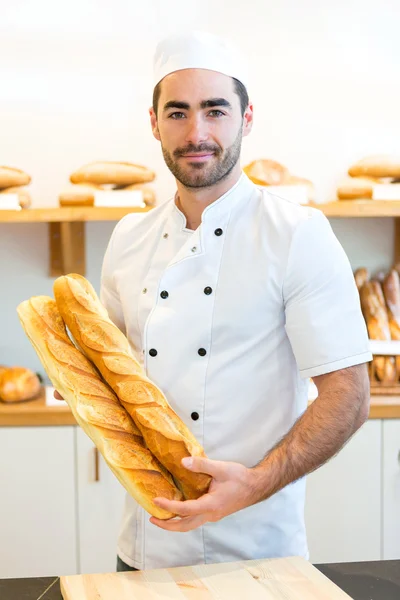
(112, 173)
(11, 177)
(357, 188)
(18, 384)
(383, 165)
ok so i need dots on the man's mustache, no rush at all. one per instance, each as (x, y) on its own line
(192, 149)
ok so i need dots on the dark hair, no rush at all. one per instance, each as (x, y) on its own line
(240, 90)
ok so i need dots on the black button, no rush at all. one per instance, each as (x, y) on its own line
(202, 351)
(164, 294)
(207, 291)
(218, 231)
(195, 416)
(153, 352)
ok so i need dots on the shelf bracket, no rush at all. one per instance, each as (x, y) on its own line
(396, 248)
(67, 248)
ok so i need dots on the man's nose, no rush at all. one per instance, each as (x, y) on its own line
(197, 131)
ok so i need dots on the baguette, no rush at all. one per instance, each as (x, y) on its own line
(10, 177)
(376, 166)
(106, 346)
(117, 173)
(391, 290)
(361, 276)
(95, 407)
(376, 317)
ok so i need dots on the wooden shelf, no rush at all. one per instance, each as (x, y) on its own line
(66, 227)
(360, 208)
(342, 209)
(73, 214)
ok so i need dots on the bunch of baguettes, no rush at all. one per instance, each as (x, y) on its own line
(128, 418)
(101, 175)
(14, 181)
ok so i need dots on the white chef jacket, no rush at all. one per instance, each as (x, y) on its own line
(230, 321)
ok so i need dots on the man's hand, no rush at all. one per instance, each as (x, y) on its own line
(232, 488)
(57, 396)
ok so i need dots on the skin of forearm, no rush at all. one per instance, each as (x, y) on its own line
(341, 408)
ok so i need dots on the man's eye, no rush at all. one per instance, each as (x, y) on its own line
(216, 113)
(177, 115)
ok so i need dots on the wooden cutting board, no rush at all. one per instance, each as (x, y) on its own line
(273, 579)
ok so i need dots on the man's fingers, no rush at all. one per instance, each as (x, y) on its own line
(216, 468)
(186, 508)
(57, 396)
(182, 525)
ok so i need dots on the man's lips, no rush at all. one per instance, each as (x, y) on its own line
(198, 157)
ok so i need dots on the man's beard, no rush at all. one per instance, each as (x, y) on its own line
(202, 175)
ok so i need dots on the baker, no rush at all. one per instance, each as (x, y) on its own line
(233, 298)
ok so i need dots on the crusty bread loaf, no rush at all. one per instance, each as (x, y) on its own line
(17, 384)
(361, 276)
(24, 197)
(357, 188)
(267, 172)
(390, 369)
(117, 173)
(164, 433)
(79, 194)
(391, 290)
(95, 407)
(377, 166)
(374, 313)
(376, 317)
(10, 177)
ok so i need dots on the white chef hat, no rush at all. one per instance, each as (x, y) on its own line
(198, 50)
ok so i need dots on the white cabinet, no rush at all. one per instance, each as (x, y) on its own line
(37, 502)
(100, 504)
(343, 505)
(391, 489)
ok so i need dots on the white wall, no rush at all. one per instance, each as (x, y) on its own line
(75, 86)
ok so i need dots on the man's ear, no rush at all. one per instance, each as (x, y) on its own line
(154, 124)
(248, 120)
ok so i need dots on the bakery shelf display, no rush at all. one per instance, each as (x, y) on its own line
(66, 231)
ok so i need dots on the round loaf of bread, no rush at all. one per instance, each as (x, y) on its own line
(267, 172)
(376, 166)
(17, 384)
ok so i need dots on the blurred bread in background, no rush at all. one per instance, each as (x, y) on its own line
(112, 173)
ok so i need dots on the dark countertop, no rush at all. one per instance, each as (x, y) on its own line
(378, 580)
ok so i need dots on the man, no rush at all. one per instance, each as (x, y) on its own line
(233, 298)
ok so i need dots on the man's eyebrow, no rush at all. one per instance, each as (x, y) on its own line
(176, 104)
(212, 102)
